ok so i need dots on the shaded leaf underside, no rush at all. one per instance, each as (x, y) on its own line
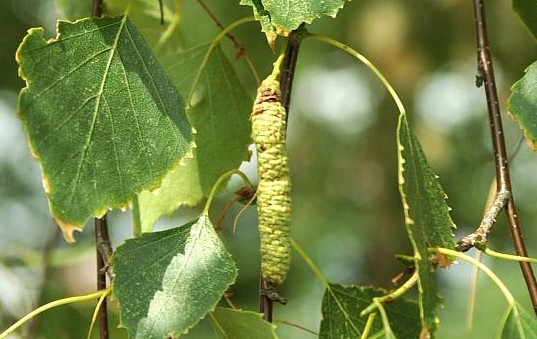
(219, 111)
(341, 309)
(238, 324)
(527, 10)
(522, 104)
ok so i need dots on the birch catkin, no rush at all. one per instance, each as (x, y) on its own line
(273, 192)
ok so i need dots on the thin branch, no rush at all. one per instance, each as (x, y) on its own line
(495, 202)
(486, 74)
(161, 6)
(265, 303)
(102, 240)
(104, 251)
(479, 237)
(239, 48)
(97, 8)
(223, 214)
(289, 66)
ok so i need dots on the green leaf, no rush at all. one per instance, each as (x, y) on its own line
(518, 324)
(165, 282)
(263, 16)
(102, 118)
(342, 305)
(522, 104)
(426, 217)
(219, 110)
(284, 16)
(163, 37)
(527, 11)
(238, 324)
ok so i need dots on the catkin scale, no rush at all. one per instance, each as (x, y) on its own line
(274, 188)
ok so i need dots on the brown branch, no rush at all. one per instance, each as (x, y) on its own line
(504, 188)
(104, 251)
(265, 303)
(240, 50)
(288, 68)
(102, 241)
(478, 238)
(97, 8)
(161, 6)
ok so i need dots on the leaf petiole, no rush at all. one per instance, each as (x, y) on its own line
(368, 325)
(96, 312)
(391, 296)
(52, 304)
(508, 296)
(506, 256)
(323, 280)
(219, 182)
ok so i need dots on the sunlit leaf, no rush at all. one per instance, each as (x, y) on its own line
(341, 314)
(165, 282)
(522, 104)
(281, 17)
(519, 324)
(219, 111)
(426, 217)
(238, 324)
(102, 118)
(527, 11)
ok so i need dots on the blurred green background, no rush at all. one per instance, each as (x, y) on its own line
(342, 148)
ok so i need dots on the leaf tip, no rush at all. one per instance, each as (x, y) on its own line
(444, 261)
(68, 230)
(271, 39)
(425, 333)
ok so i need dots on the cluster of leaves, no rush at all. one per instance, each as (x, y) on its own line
(113, 126)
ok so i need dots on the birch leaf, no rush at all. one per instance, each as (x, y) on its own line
(102, 118)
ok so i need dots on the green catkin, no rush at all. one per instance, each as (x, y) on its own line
(273, 192)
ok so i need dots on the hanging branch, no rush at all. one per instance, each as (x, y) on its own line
(97, 8)
(266, 299)
(104, 251)
(240, 50)
(504, 197)
(102, 240)
(265, 303)
(288, 67)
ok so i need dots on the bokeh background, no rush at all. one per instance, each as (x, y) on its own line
(347, 210)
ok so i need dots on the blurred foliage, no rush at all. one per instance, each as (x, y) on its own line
(347, 210)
